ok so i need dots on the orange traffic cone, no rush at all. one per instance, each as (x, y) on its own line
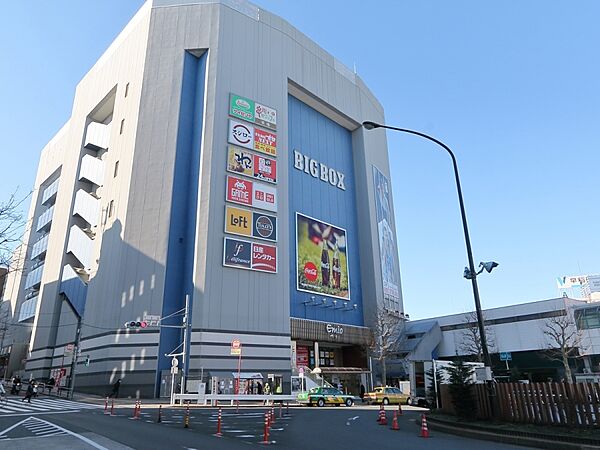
(424, 430)
(399, 409)
(395, 426)
(383, 420)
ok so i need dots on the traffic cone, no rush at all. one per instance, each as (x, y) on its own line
(383, 420)
(135, 410)
(272, 415)
(395, 426)
(399, 409)
(424, 430)
(159, 419)
(379, 413)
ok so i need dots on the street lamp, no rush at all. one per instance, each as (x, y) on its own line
(470, 272)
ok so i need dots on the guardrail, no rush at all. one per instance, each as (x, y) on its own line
(214, 399)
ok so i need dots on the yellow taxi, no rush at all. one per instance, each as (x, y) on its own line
(386, 395)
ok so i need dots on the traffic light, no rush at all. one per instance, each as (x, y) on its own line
(136, 324)
(87, 361)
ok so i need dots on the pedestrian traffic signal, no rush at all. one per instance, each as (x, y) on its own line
(136, 324)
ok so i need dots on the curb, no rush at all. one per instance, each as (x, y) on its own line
(508, 437)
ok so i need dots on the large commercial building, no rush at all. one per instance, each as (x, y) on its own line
(213, 152)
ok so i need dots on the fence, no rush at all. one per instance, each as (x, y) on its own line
(575, 405)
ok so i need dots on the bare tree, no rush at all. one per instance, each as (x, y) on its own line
(386, 339)
(471, 340)
(12, 227)
(563, 341)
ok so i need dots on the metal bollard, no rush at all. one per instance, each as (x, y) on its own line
(186, 420)
(159, 419)
(272, 421)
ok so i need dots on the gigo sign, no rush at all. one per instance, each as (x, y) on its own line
(319, 170)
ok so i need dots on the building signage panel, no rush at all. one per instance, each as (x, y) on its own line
(264, 197)
(321, 258)
(247, 136)
(250, 255)
(301, 356)
(390, 271)
(319, 170)
(265, 142)
(239, 191)
(251, 111)
(236, 347)
(246, 163)
(265, 116)
(241, 107)
(264, 257)
(250, 223)
(237, 253)
(241, 134)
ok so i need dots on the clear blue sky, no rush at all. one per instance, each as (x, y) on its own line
(512, 87)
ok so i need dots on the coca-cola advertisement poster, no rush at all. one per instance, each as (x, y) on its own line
(322, 258)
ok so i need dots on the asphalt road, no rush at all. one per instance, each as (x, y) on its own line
(80, 426)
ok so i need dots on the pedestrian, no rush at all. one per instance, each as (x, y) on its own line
(259, 389)
(278, 390)
(35, 387)
(3, 398)
(28, 393)
(115, 389)
(267, 391)
(50, 385)
(362, 392)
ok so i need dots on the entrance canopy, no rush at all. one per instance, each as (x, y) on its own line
(248, 375)
(343, 370)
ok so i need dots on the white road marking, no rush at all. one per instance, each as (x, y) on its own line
(3, 432)
(78, 436)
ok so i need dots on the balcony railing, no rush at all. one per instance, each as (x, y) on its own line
(34, 277)
(81, 246)
(45, 219)
(27, 310)
(97, 136)
(92, 170)
(87, 207)
(50, 192)
(40, 247)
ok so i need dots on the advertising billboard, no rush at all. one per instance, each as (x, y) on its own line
(387, 249)
(251, 193)
(321, 258)
(248, 223)
(247, 136)
(243, 254)
(249, 164)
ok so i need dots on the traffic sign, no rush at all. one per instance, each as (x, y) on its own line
(174, 362)
(236, 347)
(174, 370)
(152, 320)
(505, 356)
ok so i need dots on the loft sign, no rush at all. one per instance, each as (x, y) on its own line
(319, 170)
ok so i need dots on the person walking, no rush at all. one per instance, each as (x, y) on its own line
(28, 393)
(115, 389)
(3, 398)
(267, 391)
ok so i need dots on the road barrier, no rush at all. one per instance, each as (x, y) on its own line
(186, 419)
(159, 418)
(395, 425)
(424, 429)
(266, 431)
(218, 433)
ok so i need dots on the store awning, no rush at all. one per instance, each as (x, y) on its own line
(248, 375)
(343, 370)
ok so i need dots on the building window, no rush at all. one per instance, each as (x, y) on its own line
(126, 89)
(116, 169)
(122, 126)
(587, 318)
(111, 208)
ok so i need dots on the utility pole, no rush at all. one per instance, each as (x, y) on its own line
(75, 357)
(184, 357)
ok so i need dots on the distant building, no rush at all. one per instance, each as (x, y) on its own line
(517, 343)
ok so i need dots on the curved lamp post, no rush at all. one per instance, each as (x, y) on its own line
(470, 272)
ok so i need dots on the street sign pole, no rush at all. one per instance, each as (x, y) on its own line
(184, 359)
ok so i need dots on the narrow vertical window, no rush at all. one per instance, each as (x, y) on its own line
(111, 208)
(122, 126)
(116, 169)
(126, 89)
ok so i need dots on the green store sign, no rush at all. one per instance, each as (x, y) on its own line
(241, 107)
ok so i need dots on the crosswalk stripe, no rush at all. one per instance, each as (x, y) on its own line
(33, 406)
(69, 404)
(17, 406)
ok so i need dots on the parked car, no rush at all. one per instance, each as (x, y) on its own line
(322, 396)
(385, 396)
(421, 402)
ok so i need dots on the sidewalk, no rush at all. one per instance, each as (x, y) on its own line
(519, 434)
